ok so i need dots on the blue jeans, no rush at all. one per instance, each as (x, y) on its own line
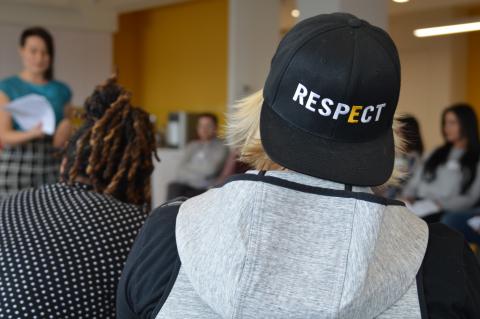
(458, 221)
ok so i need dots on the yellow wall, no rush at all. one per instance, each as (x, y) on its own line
(127, 55)
(473, 66)
(473, 80)
(175, 57)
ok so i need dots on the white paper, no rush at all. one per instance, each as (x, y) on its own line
(32, 109)
(474, 222)
(423, 207)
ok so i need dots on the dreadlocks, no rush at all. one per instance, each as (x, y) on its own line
(113, 149)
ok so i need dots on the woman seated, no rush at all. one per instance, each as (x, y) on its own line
(63, 245)
(449, 179)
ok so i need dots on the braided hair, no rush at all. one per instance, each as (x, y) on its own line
(113, 148)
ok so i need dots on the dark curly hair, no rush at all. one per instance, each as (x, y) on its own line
(113, 148)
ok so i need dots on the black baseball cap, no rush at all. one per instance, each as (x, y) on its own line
(330, 99)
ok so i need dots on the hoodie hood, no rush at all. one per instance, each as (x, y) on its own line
(287, 245)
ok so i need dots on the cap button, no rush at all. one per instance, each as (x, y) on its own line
(355, 23)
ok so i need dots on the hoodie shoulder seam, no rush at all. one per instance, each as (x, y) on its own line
(249, 261)
(367, 197)
(347, 259)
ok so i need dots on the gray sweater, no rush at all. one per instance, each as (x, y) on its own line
(446, 188)
(202, 163)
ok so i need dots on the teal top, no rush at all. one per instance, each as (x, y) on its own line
(56, 92)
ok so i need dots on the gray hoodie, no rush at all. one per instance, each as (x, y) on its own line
(295, 247)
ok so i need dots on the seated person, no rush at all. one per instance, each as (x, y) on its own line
(303, 236)
(449, 180)
(63, 245)
(408, 160)
(233, 166)
(203, 161)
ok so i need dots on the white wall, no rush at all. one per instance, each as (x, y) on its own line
(255, 28)
(433, 70)
(83, 58)
(254, 33)
(374, 11)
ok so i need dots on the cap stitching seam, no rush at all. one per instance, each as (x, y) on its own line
(347, 89)
(397, 66)
(287, 65)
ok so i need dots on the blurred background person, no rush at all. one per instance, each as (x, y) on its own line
(27, 158)
(449, 179)
(203, 161)
(407, 161)
(233, 166)
(69, 240)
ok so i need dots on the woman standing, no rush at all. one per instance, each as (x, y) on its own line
(27, 158)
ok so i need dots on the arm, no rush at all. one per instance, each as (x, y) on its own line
(472, 283)
(151, 267)
(63, 133)
(451, 275)
(462, 201)
(228, 167)
(227, 156)
(65, 127)
(9, 136)
(409, 192)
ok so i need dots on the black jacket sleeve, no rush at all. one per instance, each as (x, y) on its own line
(451, 276)
(151, 268)
(472, 283)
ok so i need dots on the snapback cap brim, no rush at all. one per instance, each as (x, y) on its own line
(361, 164)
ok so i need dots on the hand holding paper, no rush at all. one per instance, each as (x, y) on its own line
(33, 110)
(474, 222)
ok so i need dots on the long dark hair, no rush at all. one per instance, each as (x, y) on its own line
(410, 130)
(113, 148)
(48, 39)
(469, 129)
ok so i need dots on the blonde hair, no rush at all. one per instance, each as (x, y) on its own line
(243, 134)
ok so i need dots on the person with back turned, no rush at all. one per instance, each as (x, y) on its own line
(303, 236)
